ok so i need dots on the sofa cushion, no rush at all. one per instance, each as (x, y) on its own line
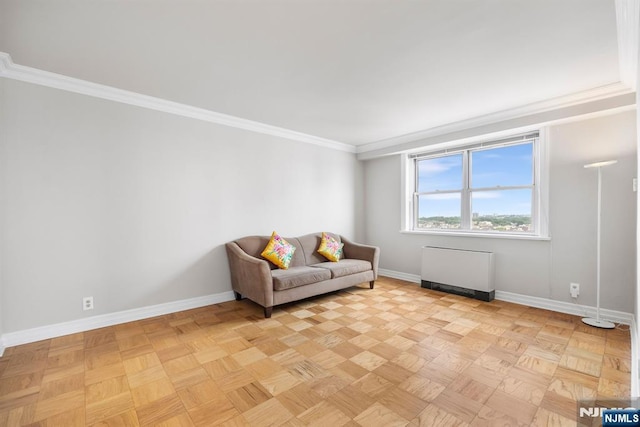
(298, 276)
(345, 267)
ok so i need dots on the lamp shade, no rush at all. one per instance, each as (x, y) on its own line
(600, 164)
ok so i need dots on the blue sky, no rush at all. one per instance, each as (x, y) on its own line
(503, 166)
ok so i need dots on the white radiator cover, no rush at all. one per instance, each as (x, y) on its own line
(458, 267)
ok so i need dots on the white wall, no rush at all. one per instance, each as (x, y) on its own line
(539, 268)
(360, 210)
(133, 206)
(635, 381)
(2, 195)
(573, 201)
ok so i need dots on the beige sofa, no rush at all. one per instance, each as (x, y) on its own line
(309, 273)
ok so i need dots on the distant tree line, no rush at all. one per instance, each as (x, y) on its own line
(505, 219)
(497, 220)
(451, 220)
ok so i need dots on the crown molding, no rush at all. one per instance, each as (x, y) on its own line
(5, 63)
(10, 70)
(627, 11)
(602, 98)
(627, 18)
(628, 33)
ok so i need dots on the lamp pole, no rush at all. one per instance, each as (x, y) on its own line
(590, 320)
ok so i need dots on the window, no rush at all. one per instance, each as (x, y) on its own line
(492, 187)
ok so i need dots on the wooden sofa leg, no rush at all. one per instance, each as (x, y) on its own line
(238, 295)
(267, 312)
(371, 284)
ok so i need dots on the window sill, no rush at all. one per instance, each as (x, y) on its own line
(476, 234)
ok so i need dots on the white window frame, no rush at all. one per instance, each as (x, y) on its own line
(539, 194)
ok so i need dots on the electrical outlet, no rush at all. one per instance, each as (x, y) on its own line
(87, 303)
(574, 289)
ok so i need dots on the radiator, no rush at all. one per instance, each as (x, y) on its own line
(462, 272)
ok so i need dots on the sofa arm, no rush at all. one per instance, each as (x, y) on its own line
(363, 252)
(250, 276)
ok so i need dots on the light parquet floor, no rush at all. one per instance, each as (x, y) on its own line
(394, 355)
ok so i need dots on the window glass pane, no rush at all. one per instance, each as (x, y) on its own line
(439, 211)
(440, 173)
(502, 166)
(502, 210)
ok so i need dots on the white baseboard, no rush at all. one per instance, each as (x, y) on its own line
(566, 307)
(548, 304)
(413, 278)
(633, 330)
(562, 307)
(103, 320)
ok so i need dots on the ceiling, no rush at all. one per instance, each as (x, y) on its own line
(351, 71)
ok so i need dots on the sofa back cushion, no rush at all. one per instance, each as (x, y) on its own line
(254, 245)
(310, 244)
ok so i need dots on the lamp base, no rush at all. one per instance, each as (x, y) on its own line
(598, 323)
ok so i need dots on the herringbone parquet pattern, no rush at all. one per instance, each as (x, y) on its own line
(394, 355)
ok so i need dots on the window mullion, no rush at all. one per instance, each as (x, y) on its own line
(535, 204)
(415, 211)
(435, 189)
(506, 187)
(416, 178)
(465, 215)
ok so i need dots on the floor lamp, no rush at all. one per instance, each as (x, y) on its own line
(597, 322)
